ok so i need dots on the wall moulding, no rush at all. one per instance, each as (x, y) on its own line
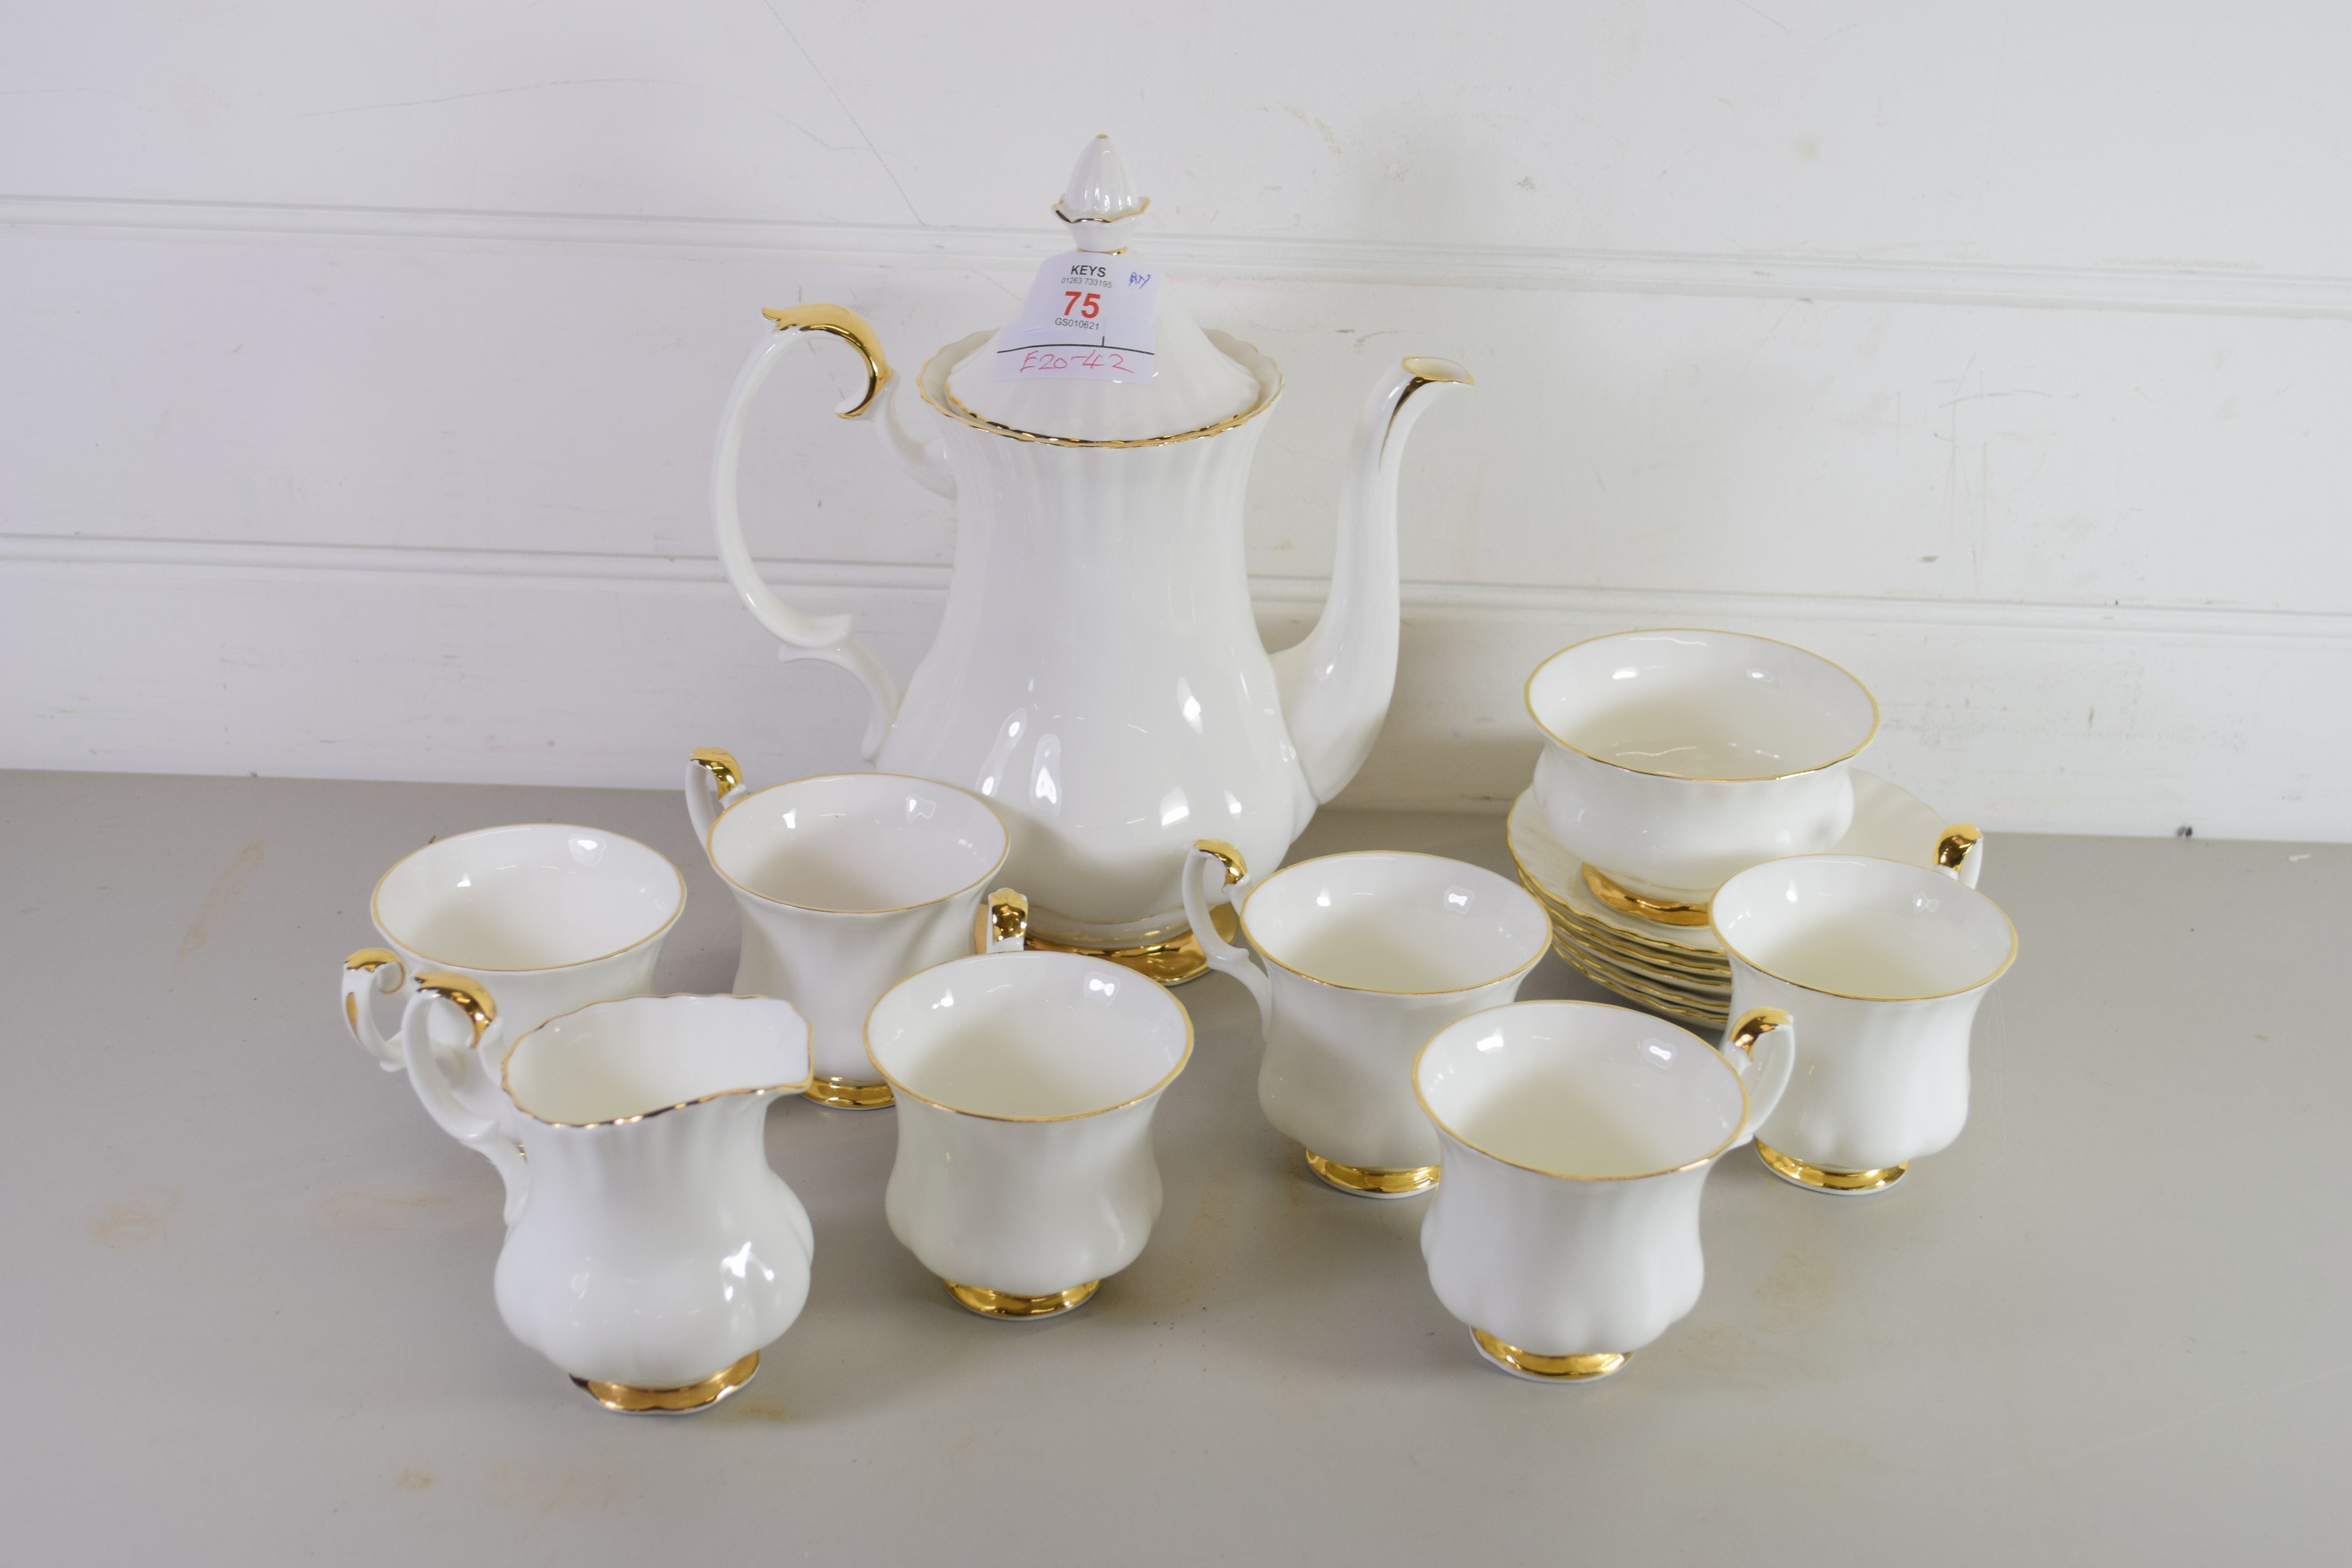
(2122, 287)
(548, 668)
(1648, 607)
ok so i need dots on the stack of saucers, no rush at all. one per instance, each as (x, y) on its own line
(1677, 968)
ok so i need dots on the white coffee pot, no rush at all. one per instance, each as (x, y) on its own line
(1097, 673)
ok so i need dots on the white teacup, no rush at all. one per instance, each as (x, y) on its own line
(1675, 759)
(1578, 1138)
(1025, 1086)
(1370, 954)
(848, 883)
(1883, 965)
(547, 916)
(652, 1252)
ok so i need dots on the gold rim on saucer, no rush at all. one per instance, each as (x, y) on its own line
(1715, 987)
(1372, 1180)
(1689, 989)
(1678, 1006)
(1687, 961)
(1839, 1184)
(1006, 1307)
(684, 1400)
(1550, 1368)
(842, 1095)
(1707, 971)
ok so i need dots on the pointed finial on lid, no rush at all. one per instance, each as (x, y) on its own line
(1100, 203)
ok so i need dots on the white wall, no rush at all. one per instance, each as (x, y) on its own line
(358, 366)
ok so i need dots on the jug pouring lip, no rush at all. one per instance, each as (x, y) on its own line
(933, 385)
(505, 1069)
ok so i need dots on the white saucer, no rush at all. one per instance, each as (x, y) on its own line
(1707, 1011)
(1889, 822)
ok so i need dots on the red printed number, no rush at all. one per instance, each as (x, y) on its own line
(1081, 304)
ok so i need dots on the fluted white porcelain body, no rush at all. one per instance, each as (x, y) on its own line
(546, 917)
(655, 1246)
(1675, 759)
(1577, 1140)
(1588, 1270)
(1026, 1084)
(1367, 955)
(1098, 673)
(1884, 966)
(847, 883)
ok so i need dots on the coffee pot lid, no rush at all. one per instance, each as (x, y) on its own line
(1069, 391)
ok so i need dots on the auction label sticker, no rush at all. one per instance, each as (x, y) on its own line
(1088, 317)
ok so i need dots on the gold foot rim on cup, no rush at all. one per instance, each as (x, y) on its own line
(842, 1095)
(1641, 905)
(684, 1400)
(1372, 1181)
(1005, 1307)
(1170, 962)
(1550, 1368)
(1837, 1184)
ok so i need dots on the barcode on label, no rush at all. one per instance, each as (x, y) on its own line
(1088, 317)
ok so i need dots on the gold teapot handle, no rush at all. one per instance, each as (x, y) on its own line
(803, 635)
(841, 321)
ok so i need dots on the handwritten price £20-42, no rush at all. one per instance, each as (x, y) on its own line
(1103, 361)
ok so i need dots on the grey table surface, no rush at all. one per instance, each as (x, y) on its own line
(249, 1313)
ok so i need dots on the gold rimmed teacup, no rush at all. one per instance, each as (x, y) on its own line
(847, 884)
(1883, 965)
(1360, 958)
(546, 917)
(1578, 1140)
(1025, 1083)
(1677, 757)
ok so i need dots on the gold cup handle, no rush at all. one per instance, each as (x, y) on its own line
(712, 776)
(1761, 1047)
(370, 973)
(822, 638)
(1960, 852)
(429, 1069)
(1002, 925)
(1213, 869)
